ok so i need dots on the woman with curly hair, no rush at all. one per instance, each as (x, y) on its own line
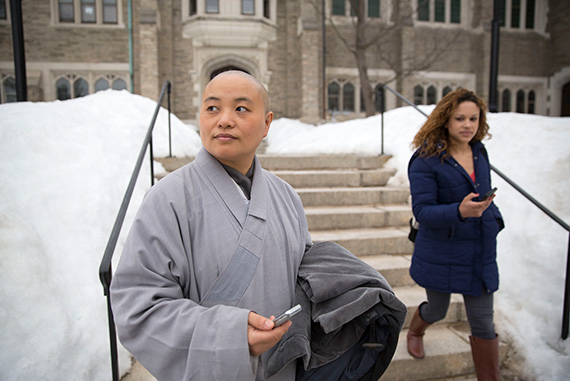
(455, 248)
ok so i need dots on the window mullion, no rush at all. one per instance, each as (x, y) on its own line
(522, 24)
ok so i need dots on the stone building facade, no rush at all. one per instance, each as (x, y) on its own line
(298, 48)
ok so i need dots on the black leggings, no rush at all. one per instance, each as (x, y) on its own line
(479, 311)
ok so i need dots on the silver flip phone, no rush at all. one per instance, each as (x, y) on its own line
(287, 315)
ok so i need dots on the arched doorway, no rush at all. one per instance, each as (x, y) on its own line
(565, 106)
(227, 68)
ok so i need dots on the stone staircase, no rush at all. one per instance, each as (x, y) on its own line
(346, 200)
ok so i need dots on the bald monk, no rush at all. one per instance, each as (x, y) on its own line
(214, 251)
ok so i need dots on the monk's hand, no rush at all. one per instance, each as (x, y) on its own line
(261, 333)
(470, 208)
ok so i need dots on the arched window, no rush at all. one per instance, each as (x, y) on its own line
(227, 68)
(507, 100)
(9, 90)
(379, 100)
(418, 95)
(431, 95)
(531, 101)
(520, 101)
(446, 90)
(63, 89)
(334, 96)
(80, 88)
(101, 84)
(348, 97)
(119, 84)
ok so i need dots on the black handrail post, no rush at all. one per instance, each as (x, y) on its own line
(566, 312)
(169, 129)
(382, 119)
(19, 50)
(151, 162)
(494, 71)
(112, 337)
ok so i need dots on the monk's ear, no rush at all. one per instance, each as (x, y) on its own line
(268, 120)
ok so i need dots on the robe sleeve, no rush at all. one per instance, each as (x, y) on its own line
(152, 294)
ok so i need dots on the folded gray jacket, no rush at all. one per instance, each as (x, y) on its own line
(345, 303)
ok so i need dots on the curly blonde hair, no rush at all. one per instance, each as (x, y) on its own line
(433, 137)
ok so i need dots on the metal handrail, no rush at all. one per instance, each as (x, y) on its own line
(558, 220)
(105, 272)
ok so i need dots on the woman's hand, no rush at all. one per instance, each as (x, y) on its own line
(261, 334)
(470, 208)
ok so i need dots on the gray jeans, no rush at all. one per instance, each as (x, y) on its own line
(479, 311)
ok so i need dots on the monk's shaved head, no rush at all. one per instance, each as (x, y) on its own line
(262, 90)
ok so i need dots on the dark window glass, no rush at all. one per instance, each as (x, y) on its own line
(3, 13)
(418, 95)
(192, 8)
(334, 92)
(66, 13)
(379, 101)
(338, 8)
(212, 6)
(266, 9)
(520, 101)
(63, 89)
(101, 84)
(423, 10)
(110, 11)
(247, 7)
(431, 95)
(80, 88)
(455, 11)
(374, 8)
(507, 101)
(446, 90)
(119, 84)
(530, 9)
(516, 14)
(439, 11)
(10, 90)
(531, 101)
(348, 97)
(502, 12)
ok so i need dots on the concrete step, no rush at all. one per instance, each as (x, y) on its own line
(361, 242)
(413, 296)
(345, 196)
(357, 216)
(335, 178)
(448, 356)
(296, 162)
(395, 268)
(303, 162)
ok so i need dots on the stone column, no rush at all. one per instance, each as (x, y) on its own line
(148, 49)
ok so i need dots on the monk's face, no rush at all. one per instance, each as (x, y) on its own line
(233, 119)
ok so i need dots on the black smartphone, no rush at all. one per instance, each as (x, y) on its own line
(489, 194)
(287, 315)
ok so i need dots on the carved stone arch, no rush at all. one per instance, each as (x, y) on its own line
(219, 63)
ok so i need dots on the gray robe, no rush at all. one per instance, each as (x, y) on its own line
(184, 235)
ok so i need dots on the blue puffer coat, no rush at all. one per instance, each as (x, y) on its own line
(452, 254)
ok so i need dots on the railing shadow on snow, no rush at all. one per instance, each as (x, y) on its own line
(105, 271)
(566, 307)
